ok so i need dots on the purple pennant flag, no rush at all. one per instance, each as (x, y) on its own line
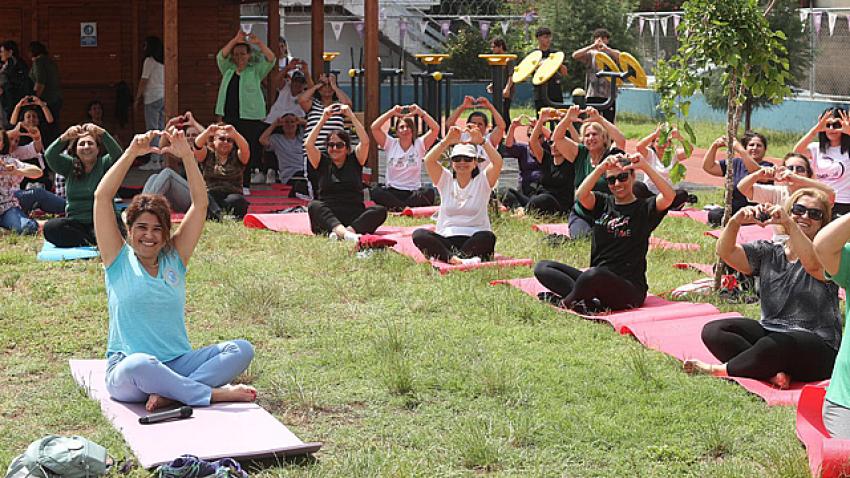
(848, 21)
(402, 28)
(485, 28)
(817, 17)
(641, 22)
(359, 27)
(445, 27)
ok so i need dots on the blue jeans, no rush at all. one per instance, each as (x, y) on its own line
(188, 378)
(155, 119)
(46, 201)
(17, 221)
(171, 185)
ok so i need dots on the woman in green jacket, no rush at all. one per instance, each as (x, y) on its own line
(240, 95)
(83, 154)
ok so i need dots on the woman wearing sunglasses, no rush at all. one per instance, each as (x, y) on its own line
(339, 209)
(800, 328)
(622, 224)
(830, 155)
(463, 233)
(794, 174)
(223, 162)
(405, 154)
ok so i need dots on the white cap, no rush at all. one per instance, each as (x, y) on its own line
(466, 149)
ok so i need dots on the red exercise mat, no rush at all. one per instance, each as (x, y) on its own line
(828, 457)
(299, 223)
(747, 234)
(698, 215)
(563, 229)
(426, 211)
(405, 247)
(707, 269)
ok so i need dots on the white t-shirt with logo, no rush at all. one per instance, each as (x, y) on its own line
(832, 168)
(463, 211)
(154, 72)
(404, 167)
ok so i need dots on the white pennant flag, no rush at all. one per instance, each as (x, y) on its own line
(505, 25)
(848, 21)
(423, 26)
(467, 19)
(337, 28)
(652, 26)
(641, 21)
(817, 17)
(831, 18)
(804, 14)
(629, 20)
(663, 22)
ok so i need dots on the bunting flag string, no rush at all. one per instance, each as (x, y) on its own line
(629, 20)
(831, 18)
(505, 25)
(337, 29)
(817, 17)
(485, 28)
(663, 23)
(651, 26)
(445, 27)
(676, 20)
(359, 26)
(641, 22)
(423, 27)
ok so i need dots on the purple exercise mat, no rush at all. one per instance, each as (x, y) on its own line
(235, 430)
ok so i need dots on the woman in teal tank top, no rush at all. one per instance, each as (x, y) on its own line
(150, 358)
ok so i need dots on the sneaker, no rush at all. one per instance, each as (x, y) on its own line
(581, 307)
(257, 177)
(151, 166)
(246, 192)
(271, 177)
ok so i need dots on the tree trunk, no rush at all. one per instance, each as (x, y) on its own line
(748, 114)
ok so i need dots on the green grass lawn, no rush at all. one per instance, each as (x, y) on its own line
(402, 372)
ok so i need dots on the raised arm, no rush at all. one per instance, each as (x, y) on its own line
(378, 126)
(226, 49)
(265, 138)
(109, 239)
(55, 153)
(340, 95)
(16, 113)
(642, 146)
(240, 142)
(362, 148)
(494, 169)
(745, 185)
(709, 161)
(795, 182)
(19, 168)
(802, 146)
(432, 159)
(509, 136)
(565, 144)
(727, 244)
(799, 242)
(498, 131)
(264, 49)
(189, 232)
(429, 138)
(468, 102)
(749, 163)
(830, 242)
(584, 193)
(305, 99)
(666, 194)
(613, 132)
(310, 148)
(203, 140)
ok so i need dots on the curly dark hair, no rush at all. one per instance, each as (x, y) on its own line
(77, 163)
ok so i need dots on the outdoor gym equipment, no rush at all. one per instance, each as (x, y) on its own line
(394, 75)
(426, 86)
(498, 67)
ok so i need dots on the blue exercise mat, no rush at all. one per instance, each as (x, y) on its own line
(51, 253)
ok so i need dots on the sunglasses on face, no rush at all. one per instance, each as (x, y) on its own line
(336, 145)
(622, 177)
(464, 159)
(834, 125)
(813, 213)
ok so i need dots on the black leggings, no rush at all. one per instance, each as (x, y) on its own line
(324, 217)
(641, 191)
(749, 350)
(481, 245)
(65, 232)
(235, 203)
(398, 199)
(251, 130)
(573, 285)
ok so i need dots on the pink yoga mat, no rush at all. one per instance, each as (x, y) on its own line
(690, 213)
(404, 246)
(236, 430)
(299, 223)
(654, 308)
(654, 242)
(682, 339)
(828, 457)
(426, 211)
(707, 269)
(559, 229)
(747, 234)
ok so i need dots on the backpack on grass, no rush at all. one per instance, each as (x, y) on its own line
(67, 457)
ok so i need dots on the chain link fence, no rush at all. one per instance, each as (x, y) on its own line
(826, 29)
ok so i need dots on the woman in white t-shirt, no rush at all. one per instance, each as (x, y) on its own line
(151, 92)
(795, 173)
(405, 154)
(652, 151)
(463, 234)
(830, 155)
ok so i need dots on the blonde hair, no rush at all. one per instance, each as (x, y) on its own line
(817, 195)
(606, 138)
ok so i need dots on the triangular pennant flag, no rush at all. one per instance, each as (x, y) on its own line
(663, 23)
(505, 25)
(676, 20)
(831, 18)
(629, 20)
(358, 26)
(652, 26)
(485, 28)
(337, 29)
(817, 17)
(445, 27)
(804, 14)
(848, 21)
(402, 28)
(466, 19)
(641, 21)
(423, 26)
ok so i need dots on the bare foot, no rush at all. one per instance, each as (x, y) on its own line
(455, 260)
(694, 366)
(781, 380)
(156, 402)
(519, 212)
(234, 393)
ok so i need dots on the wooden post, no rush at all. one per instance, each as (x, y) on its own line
(170, 32)
(373, 81)
(135, 55)
(273, 42)
(317, 51)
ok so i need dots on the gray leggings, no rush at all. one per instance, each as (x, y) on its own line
(836, 419)
(171, 185)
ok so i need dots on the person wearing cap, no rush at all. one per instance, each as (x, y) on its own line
(553, 86)
(294, 78)
(599, 89)
(463, 234)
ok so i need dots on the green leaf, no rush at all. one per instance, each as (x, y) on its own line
(688, 147)
(677, 173)
(690, 131)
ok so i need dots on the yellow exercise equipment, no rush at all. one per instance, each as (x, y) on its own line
(606, 63)
(431, 58)
(628, 63)
(548, 68)
(498, 59)
(527, 66)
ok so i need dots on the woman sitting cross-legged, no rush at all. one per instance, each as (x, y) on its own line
(12, 172)
(800, 327)
(82, 154)
(148, 351)
(224, 155)
(463, 233)
(405, 154)
(339, 210)
(622, 225)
